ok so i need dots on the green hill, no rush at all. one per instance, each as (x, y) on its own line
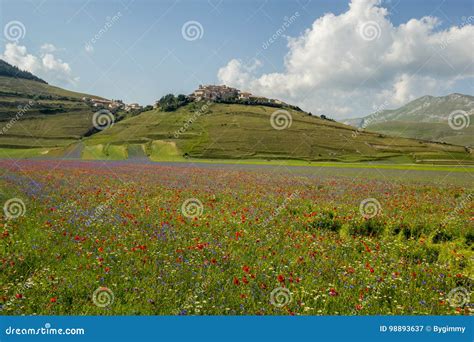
(426, 118)
(236, 131)
(34, 114)
(9, 70)
(36, 117)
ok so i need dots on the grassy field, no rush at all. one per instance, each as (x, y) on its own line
(116, 238)
(230, 131)
(428, 131)
(43, 116)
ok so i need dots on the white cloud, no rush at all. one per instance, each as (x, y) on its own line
(48, 48)
(45, 66)
(346, 64)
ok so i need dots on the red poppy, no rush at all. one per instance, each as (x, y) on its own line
(246, 269)
(19, 296)
(333, 292)
(281, 278)
(236, 281)
(53, 300)
(245, 280)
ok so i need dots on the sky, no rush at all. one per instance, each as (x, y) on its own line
(338, 58)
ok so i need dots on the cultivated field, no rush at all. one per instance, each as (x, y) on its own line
(118, 238)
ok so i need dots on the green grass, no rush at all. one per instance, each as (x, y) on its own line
(427, 131)
(56, 119)
(360, 165)
(223, 132)
(9, 85)
(164, 151)
(244, 132)
(104, 152)
(19, 153)
(84, 228)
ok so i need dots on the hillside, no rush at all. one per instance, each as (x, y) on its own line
(9, 70)
(40, 119)
(425, 118)
(236, 131)
(34, 114)
(47, 116)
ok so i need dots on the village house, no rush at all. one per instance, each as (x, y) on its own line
(244, 95)
(133, 106)
(214, 92)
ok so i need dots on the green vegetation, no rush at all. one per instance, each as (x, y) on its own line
(104, 152)
(34, 114)
(37, 119)
(426, 118)
(9, 70)
(240, 132)
(170, 103)
(170, 240)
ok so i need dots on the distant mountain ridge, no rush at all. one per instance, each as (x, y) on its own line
(425, 118)
(9, 70)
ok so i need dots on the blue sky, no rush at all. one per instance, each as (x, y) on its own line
(143, 54)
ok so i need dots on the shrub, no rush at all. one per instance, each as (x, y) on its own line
(469, 238)
(370, 227)
(327, 220)
(441, 237)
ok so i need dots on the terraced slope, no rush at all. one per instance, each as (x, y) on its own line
(232, 131)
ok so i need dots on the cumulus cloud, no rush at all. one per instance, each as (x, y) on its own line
(48, 48)
(346, 65)
(46, 65)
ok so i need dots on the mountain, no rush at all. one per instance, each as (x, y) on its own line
(239, 131)
(34, 114)
(444, 119)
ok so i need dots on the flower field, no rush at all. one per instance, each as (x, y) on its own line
(117, 238)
